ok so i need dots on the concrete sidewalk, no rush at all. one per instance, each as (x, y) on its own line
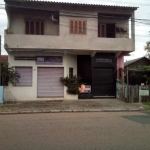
(94, 105)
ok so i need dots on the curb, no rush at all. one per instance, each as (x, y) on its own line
(66, 111)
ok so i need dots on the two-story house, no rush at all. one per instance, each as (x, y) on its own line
(47, 40)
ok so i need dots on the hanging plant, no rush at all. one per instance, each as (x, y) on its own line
(121, 29)
(72, 84)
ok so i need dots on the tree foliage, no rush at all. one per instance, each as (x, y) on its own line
(144, 68)
(147, 48)
(8, 74)
(72, 84)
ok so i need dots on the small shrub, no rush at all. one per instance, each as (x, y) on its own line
(72, 84)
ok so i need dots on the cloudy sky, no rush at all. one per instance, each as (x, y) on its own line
(142, 29)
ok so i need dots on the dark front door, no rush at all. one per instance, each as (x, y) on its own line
(103, 82)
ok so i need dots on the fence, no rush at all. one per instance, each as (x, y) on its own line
(133, 93)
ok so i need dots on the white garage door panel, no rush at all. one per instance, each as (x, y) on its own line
(49, 84)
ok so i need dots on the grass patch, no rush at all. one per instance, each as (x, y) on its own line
(147, 105)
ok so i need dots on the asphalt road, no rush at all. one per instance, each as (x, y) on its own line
(75, 131)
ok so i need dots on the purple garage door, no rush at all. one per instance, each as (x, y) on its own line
(48, 82)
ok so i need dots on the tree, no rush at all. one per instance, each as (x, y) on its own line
(8, 74)
(147, 48)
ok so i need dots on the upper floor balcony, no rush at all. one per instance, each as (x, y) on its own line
(59, 32)
(68, 42)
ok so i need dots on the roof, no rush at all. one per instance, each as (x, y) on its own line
(70, 3)
(132, 61)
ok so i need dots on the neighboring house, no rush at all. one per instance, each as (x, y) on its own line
(135, 63)
(135, 76)
(4, 58)
(48, 40)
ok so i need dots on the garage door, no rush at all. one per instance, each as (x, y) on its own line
(48, 82)
(103, 82)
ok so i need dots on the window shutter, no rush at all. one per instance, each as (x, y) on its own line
(71, 26)
(84, 27)
(80, 27)
(76, 27)
(25, 76)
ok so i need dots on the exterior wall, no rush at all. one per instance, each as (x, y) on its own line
(30, 92)
(17, 25)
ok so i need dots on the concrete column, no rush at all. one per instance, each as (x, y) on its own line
(133, 31)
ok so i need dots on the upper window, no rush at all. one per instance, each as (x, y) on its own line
(34, 27)
(77, 27)
(25, 76)
(107, 30)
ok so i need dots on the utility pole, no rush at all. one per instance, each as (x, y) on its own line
(0, 60)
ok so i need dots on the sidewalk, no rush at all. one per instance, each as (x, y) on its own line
(94, 105)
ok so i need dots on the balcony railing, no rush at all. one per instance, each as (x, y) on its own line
(75, 42)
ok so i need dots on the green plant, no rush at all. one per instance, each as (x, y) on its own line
(120, 81)
(72, 84)
(8, 74)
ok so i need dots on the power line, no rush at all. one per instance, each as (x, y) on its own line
(102, 23)
(91, 16)
(43, 9)
(96, 30)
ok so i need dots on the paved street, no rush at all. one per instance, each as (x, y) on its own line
(75, 131)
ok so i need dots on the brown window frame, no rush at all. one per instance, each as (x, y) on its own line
(103, 30)
(34, 26)
(78, 27)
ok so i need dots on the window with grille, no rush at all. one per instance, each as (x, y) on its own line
(77, 27)
(34, 27)
(70, 72)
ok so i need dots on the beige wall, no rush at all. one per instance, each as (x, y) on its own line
(30, 92)
(17, 25)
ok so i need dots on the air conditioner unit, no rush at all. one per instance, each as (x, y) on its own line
(54, 18)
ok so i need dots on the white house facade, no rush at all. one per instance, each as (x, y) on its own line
(48, 40)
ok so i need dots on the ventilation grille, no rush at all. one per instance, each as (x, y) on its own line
(103, 60)
(24, 58)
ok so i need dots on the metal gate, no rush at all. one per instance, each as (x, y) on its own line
(103, 82)
(48, 82)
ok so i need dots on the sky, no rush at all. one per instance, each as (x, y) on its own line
(142, 30)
